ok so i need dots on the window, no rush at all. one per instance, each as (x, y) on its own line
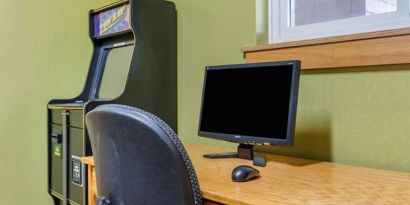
(292, 20)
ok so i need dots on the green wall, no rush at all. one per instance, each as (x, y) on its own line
(357, 116)
(210, 32)
(44, 54)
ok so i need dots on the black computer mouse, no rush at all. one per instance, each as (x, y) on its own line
(244, 173)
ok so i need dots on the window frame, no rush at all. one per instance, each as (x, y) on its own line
(280, 31)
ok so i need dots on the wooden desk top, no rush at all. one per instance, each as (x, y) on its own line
(289, 180)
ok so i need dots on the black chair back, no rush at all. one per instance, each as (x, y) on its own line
(139, 159)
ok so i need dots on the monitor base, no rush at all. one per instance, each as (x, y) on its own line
(245, 151)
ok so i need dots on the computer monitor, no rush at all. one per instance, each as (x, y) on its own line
(250, 104)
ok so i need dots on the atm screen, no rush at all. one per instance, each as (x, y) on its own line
(115, 72)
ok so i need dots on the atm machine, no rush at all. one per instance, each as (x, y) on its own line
(133, 63)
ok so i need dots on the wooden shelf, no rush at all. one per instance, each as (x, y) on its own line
(365, 49)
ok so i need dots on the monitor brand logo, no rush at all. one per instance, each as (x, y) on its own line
(237, 137)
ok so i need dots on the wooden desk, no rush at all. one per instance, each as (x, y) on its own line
(288, 180)
(92, 182)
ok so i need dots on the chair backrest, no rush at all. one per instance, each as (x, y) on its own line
(139, 158)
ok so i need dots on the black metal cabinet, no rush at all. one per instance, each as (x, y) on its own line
(67, 144)
(150, 83)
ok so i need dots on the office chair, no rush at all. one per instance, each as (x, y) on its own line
(139, 159)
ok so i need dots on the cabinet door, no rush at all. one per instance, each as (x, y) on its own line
(55, 117)
(76, 119)
(76, 170)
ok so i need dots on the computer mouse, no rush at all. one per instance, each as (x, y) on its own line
(244, 173)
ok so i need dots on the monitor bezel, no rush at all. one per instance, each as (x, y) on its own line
(255, 140)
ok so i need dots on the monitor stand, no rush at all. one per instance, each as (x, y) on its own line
(245, 151)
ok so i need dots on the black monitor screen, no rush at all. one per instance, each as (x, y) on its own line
(250, 100)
